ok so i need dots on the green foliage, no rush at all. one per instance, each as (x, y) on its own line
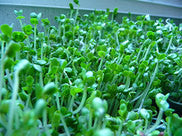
(90, 75)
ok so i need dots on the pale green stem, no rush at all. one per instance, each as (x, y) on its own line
(59, 108)
(45, 122)
(147, 52)
(90, 120)
(41, 50)
(71, 13)
(146, 125)
(168, 126)
(100, 65)
(21, 24)
(170, 42)
(139, 52)
(35, 27)
(159, 117)
(148, 87)
(120, 129)
(117, 40)
(96, 122)
(84, 97)
(127, 82)
(76, 15)
(41, 79)
(2, 70)
(13, 102)
(71, 104)
(64, 124)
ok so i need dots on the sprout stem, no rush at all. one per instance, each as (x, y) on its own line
(1, 69)
(13, 101)
(159, 117)
(45, 122)
(170, 42)
(84, 97)
(148, 87)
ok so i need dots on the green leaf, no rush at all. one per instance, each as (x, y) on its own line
(18, 13)
(29, 80)
(18, 36)
(34, 21)
(33, 15)
(4, 106)
(27, 29)
(40, 106)
(37, 67)
(161, 101)
(50, 88)
(76, 2)
(101, 54)
(151, 35)
(68, 69)
(144, 114)
(20, 17)
(45, 21)
(6, 29)
(12, 49)
(56, 119)
(115, 11)
(75, 90)
(71, 6)
(41, 62)
(8, 63)
(23, 64)
(104, 132)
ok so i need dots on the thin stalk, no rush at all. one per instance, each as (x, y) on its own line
(27, 102)
(147, 52)
(170, 42)
(111, 105)
(84, 97)
(35, 27)
(13, 101)
(90, 120)
(17, 119)
(21, 24)
(2, 69)
(168, 126)
(120, 59)
(100, 65)
(127, 82)
(41, 80)
(115, 109)
(45, 123)
(9, 78)
(57, 94)
(18, 55)
(41, 51)
(146, 125)
(76, 15)
(99, 34)
(96, 122)
(64, 124)
(120, 129)
(71, 104)
(148, 87)
(139, 52)
(59, 108)
(117, 40)
(159, 117)
(71, 13)
(63, 35)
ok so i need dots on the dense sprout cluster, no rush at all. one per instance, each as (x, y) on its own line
(90, 76)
